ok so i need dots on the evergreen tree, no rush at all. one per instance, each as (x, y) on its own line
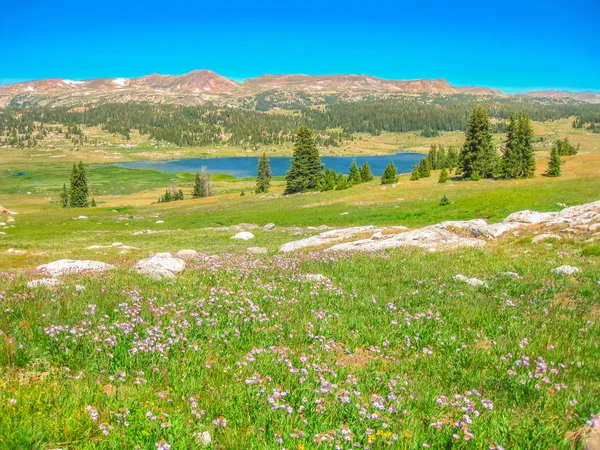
(452, 159)
(555, 162)
(365, 172)
(327, 181)
(341, 182)
(198, 190)
(263, 180)
(444, 176)
(511, 159)
(424, 168)
(64, 197)
(306, 166)
(416, 173)
(432, 157)
(93, 202)
(478, 153)
(389, 174)
(565, 148)
(79, 188)
(242, 194)
(205, 183)
(526, 146)
(444, 201)
(354, 176)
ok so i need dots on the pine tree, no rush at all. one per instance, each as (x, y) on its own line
(365, 172)
(424, 168)
(555, 162)
(93, 202)
(444, 201)
(305, 171)
(64, 197)
(444, 176)
(79, 188)
(197, 192)
(341, 182)
(354, 176)
(327, 181)
(526, 147)
(203, 184)
(389, 174)
(478, 153)
(511, 159)
(416, 173)
(263, 180)
(242, 194)
(452, 159)
(432, 157)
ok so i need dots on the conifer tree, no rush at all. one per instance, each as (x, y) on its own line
(354, 176)
(79, 189)
(444, 176)
(263, 180)
(202, 184)
(197, 192)
(365, 172)
(327, 181)
(389, 174)
(555, 163)
(341, 182)
(305, 171)
(416, 173)
(526, 146)
(478, 153)
(511, 159)
(452, 159)
(424, 168)
(444, 201)
(93, 202)
(64, 197)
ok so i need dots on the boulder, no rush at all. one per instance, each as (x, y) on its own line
(44, 282)
(546, 237)
(71, 266)
(327, 237)
(530, 217)
(187, 254)
(268, 227)
(566, 270)
(475, 282)
(377, 236)
(160, 266)
(257, 250)
(314, 277)
(243, 235)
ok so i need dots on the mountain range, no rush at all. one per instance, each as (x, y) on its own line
(201, 86)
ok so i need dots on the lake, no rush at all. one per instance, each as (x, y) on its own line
(245, 166)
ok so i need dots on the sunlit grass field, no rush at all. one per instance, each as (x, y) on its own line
(301, 351)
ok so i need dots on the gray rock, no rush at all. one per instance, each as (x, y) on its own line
(268, 227)
(44, 282)
(160, 266)
(566, 270)
(70, 266)
(243, 235)
(314, 277)
(327, 237)
(475, 282)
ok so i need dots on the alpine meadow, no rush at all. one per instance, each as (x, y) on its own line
(300, 261)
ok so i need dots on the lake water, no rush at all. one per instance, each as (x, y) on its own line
(245, 166)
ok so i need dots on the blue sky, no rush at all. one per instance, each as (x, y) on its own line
(511, 45)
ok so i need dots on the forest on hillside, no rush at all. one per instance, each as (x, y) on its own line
(191, 126)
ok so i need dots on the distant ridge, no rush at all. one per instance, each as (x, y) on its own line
(200, 86)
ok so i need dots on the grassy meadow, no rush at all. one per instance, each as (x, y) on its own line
(382, 350)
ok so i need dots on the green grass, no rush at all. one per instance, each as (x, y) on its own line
(373, 356)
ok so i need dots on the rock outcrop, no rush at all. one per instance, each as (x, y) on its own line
(160, 266)
(451, 234)
(71, 266)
